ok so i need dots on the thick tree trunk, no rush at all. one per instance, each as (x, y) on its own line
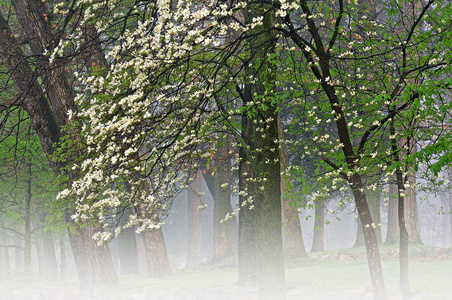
(93, 262)
(154, 244)
(46, 120)
(222, 242)
(411, 213)
(319, 228)
(128, 254)
(265, 158)
(194, 247)
(393, 232)
(246, 236)
(292, 233)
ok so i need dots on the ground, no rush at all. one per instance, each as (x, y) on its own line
(327, 275)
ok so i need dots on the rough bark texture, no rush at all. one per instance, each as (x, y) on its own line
(194, 247)
(292, 233)
(265, 161)
(94, 263)
(127, 240)
(246, 236)
(155, 247)
(222, 242)
(319, 228)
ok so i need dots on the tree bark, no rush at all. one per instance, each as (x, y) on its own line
(27, 227)
(47, 119)
(319, 228)
(154, 244)
(246, 237)
(4, 254)
(292, 233)
(222, 242)
(63, 263)
(265, 160)
(194, 247)
(128, 254)
(393, 232)
(411, 213)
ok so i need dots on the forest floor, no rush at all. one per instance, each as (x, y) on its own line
(340, 274)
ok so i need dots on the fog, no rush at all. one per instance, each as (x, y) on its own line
(338, 272)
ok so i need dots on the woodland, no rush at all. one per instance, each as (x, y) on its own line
(162, 137)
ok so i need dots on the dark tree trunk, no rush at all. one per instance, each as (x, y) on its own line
(246, 237)
(292, 233)
(319, 228)
(154, 244)
(393, 232)
(194, 247)
(222, 242)
(128, 254)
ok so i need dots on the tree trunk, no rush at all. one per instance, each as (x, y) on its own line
(222, 243)
(194, 248)
(393, 232)
(319, 228)
(404, 234)
(374, 206)
(370, 239)
(154, 244)
(246, 237)
(4, 253)
(63, 263)
(18, 252)
(128, 254)
(373, 200)
(411, 213)
(27, 220)
(93, 262)
(292, 233)
(265, 160)
(47, 121)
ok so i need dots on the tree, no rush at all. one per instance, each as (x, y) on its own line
(48, 114)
